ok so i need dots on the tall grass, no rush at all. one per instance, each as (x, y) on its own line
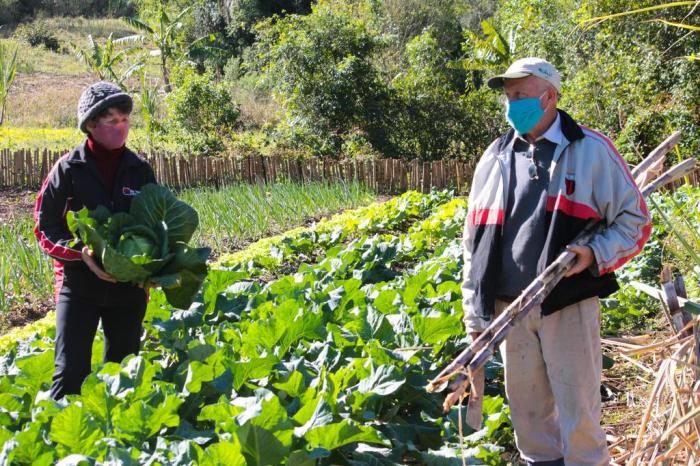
(40, 60)
(69, 28)
(229, 218)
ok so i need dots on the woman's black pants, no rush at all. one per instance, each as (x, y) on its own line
(77, 318)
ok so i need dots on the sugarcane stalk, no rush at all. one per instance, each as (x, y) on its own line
(656, 154)
(484, 346)
(677, 171)
(529, 298)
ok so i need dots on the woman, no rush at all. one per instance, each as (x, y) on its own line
(102, 170)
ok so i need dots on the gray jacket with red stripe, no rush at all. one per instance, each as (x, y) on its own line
(588, 180)
(75, 182)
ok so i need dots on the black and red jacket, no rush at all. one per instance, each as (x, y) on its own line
(75, 182)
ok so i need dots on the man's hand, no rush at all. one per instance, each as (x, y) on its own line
(584, 259)
(87, 254)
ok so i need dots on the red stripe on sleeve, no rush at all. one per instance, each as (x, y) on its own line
(51, 248)
(486, 217)
(646, 231)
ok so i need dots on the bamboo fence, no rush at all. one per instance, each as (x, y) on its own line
(28, 168)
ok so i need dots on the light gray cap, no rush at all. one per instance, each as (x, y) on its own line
(529, 66)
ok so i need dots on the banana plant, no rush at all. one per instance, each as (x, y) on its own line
(103, 59)
(162, 34)
(492, 50)
(8, 71)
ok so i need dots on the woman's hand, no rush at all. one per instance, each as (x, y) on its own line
(87, 254)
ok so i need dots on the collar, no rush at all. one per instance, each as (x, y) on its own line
(553, 133)
(100, 151)
(570, 131)
(79, 155)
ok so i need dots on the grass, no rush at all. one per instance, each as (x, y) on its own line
(39, 59)
(229, 219)
(49, 83)
(77, 29)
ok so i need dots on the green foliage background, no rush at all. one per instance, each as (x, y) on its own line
(397, 78)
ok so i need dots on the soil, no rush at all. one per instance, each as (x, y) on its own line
(24, 314)
(16, 203)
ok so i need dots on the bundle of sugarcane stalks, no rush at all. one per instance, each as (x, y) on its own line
(464, 375)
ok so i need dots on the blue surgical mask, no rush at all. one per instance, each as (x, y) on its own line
(524, 114)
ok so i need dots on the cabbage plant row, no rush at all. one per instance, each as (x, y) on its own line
(314, 350)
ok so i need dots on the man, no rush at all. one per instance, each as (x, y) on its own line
(534, 189)
(103, 171)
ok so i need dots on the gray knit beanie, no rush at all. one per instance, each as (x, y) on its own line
(96, 98)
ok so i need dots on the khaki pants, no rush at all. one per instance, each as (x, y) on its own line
(553, 367)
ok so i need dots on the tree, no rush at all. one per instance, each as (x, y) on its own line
(434, 119)
(201, 112)
(8, 71)
(320, 66)
(693, 4)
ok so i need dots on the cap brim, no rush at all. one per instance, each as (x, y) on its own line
(497, 81)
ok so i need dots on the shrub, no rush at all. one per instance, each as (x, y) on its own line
(433, 121)
(321, 68)
(201, 111)
(38, 33)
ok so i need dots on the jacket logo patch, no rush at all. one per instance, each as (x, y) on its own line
(127, 191)
(570, 186)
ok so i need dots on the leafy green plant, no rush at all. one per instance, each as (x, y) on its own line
(324, 365)
(149, 99)
(495, 49)
(148, 245)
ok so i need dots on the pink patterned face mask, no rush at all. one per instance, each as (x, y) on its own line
(111, 136)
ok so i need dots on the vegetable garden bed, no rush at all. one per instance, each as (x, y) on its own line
(323, 364)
